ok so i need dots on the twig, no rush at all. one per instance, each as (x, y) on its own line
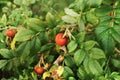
(59, 59)
(117, 50)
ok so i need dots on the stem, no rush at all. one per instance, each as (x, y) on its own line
(107, 63)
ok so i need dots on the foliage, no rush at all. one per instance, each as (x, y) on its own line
(92, 28)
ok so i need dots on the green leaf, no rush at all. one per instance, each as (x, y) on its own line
(95, 67)
(69, 19)
(4, 20)
(81, 73)
(24, 51)
(117, 13)
(94, 3)
(115, 75)
(18, 2)
(89, 44)
(104, 35)
(103, 10)
(3, 63)
(10, 65)
(97, 53)
(79, 56)
(69, 61)
(86, 65)
(24, 2)
(91, 18)
(71, 12)
(23, 35)
(35, 44)
(80, 4)
(108, 43)
(107, 2)
(115, 32)
(100, 30)
(81, 24)
(35, 24)
(5, 53)
(46, 47)
(71, 78)
(49, 17)
(72, 46)
(80, 37)
(116, 63)
(67, 72)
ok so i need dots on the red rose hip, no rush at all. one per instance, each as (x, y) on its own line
(39, 70)
(10, 33)
(59, 40)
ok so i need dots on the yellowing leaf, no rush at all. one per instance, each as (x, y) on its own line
(60, 70)
(12, 45)
(46, 74)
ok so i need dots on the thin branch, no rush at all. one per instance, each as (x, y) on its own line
(59, 59)
(117, 50)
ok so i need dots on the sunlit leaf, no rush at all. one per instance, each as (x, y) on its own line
(69, 19)
(71, 12)
(81, 25)
(23, 35)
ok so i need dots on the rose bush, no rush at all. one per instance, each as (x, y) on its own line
(88, 48)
